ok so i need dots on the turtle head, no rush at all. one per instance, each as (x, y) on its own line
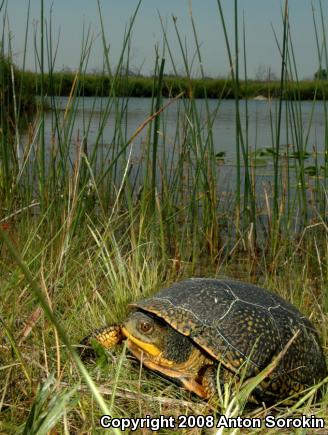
(155, 337)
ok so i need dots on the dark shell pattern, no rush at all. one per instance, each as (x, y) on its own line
(237, 322)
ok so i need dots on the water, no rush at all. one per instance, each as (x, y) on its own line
(90, 127)
(262, 119)
(302, 123)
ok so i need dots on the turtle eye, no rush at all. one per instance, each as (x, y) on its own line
(146, 327)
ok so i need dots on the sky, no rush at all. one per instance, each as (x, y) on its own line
(71, 19)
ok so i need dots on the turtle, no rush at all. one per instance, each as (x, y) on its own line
(187, 331)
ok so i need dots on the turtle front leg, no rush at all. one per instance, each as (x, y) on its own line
(210, 385)
(108, 337)
(209, 381)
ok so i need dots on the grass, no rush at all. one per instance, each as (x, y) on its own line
(82, 235)
(92, 278)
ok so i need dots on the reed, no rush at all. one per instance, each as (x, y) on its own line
(87, 225)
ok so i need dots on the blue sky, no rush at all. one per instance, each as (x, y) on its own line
(69, 17)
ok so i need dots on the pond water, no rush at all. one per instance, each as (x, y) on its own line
(310, 119)
(302, 124)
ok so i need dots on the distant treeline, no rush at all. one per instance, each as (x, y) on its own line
(62, 83)
(17, 96)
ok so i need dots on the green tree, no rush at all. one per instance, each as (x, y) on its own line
(321, 74)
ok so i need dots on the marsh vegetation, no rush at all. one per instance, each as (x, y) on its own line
(87, 226)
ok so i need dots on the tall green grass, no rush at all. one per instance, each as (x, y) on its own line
(85, 229)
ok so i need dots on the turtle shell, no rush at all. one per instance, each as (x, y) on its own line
(236, 322)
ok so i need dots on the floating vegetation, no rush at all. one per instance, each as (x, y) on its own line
(284, 152)
(316, 171)
(220, 157)
(299, 155)
(312, 171)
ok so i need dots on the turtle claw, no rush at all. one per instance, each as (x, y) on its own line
(107, 337)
